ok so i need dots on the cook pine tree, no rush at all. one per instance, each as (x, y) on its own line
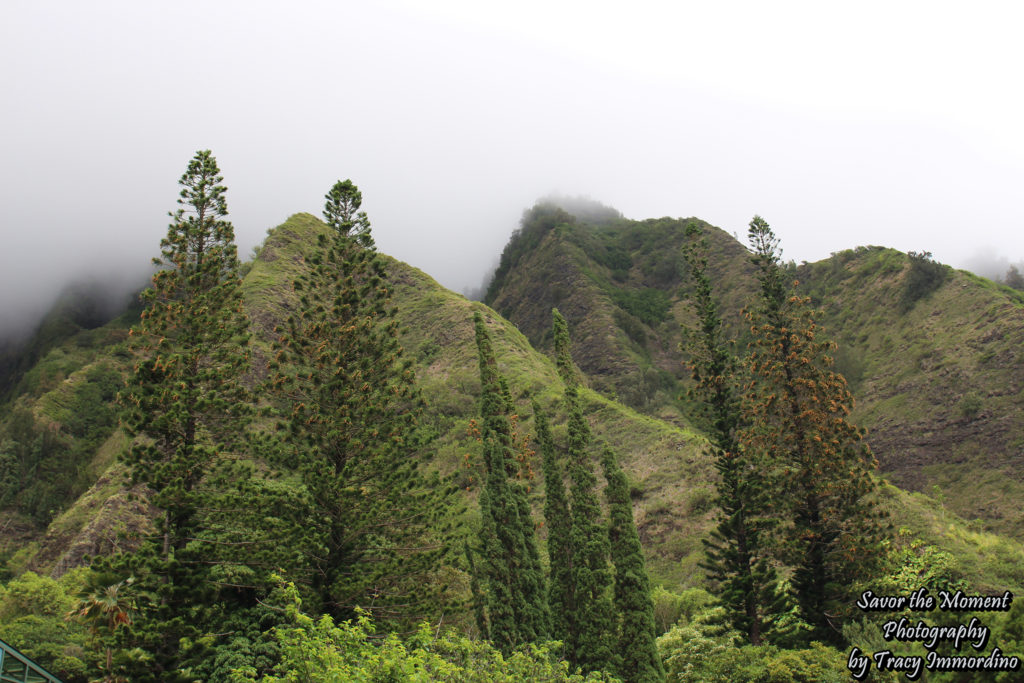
(739, 558)
(350, 428)
(561, 593)
(508, 562)
(634, 608)
(185, 410)
(591, 623)
(820, 467)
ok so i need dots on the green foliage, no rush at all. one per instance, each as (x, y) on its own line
(970, 405)
(66, 339)
(535, 224)
(476, 594)
(184, 396)
(631, 326)
(616, 259)
(909, 564)
(798, 428)
(351, 652)
(925, 276)
(672, 608)
(604, 248)
(32, 619)
(739, 552)
(1014, 279)
(587, 210)
(649, 305)
(32, 456)
(851, 365)
(33, 594)
(517, 607)
(633, 606)
(107, 610)
(247, 642)
(350, 428)
(185, 408)
(341, 213)
(591, 624)
(563, 351)
(270, 516)
(45, 462)
(51, 643)
(1008, 633)
(702, 652)
(428, 351)
(561, 590)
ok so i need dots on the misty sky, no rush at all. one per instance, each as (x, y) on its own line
(897, 124)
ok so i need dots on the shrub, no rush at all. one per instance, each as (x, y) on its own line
(672, 608)
(698, 653)
(631, 326)
(648, 305)
(320, 650)
(925, 276)
(970, 405)
(32, 619)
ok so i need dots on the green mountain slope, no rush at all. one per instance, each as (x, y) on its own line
(671, 477)
(939, 381)
(621, 287)
(940, 386)
(665, 462)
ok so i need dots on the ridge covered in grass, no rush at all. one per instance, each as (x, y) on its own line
(661, 448)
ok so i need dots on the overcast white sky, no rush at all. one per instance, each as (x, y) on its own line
(892, 123)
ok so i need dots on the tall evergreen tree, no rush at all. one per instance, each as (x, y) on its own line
(591, 623)
(476, 594)
(799, 413)
(1014, 279)
(184, 408)
(739, 559)
(641, 662)
(517, 607)
(341, 212)
(351, 426)
(561, 598)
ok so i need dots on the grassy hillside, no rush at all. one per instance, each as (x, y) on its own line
(939, 382)
(937, 375)
(58, 415)
(665, 462)
(671, 477)
(621, 286)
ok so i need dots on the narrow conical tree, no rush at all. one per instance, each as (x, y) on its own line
(798, 411)
(184, 408)
(590, 640)
(476, 594)
(561, 599)
(640, 662)
(341, 212)
(739, 558)
(351, 427)
(517, 610)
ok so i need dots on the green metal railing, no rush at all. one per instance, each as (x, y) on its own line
(17, 668)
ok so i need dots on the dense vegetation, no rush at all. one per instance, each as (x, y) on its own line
(510, 571)
(536, 223)
(292, 511)
(739, 549)
(926, 275)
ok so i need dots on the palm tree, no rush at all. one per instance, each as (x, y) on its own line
(104, 609)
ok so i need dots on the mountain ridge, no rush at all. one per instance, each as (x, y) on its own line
(671, 475)
(935, 416)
